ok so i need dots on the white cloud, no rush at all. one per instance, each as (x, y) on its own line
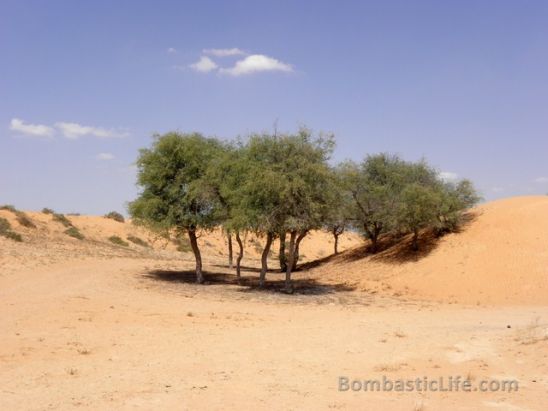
(104, 156)
(497, 189)
(541, 180)
(224, 52)
(448, 176)
(204, 65)
(171, 50)
(256, 63)
(75, 131)
(38, 130)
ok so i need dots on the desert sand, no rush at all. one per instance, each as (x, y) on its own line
(89, 325)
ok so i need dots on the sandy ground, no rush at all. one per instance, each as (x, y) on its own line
(89, 325)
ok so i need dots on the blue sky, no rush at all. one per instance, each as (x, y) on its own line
(84, 85)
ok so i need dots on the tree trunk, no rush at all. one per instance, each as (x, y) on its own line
(281, 255)
(197, 255)
(300, 237)
(374, 237)
(290, 261)
(337, 231)
(415, 243)
(240, 256)
(264, 259)
(230, 253)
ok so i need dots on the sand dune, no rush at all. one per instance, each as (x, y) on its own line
(500, 257)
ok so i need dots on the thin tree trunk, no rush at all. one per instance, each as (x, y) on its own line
(415, 242)
(336, 245)
(291, 257)
(240, 256)
(281, 255)
(264, 259)
(197, 255)
(300, 237)
(230, 253)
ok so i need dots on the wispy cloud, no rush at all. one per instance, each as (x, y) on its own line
(104, 156)
(204, 65)
(448, 176)
(224, 52)
(74, 131)
(36, 130)
(171, 50)
(256, 63)
(541, 180)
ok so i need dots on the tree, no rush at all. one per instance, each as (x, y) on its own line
(417, 209)
(374, 186)
(285, 190)
(456, 197)
(227, 173)
(175, 195)
(427, 201)
(340, 209)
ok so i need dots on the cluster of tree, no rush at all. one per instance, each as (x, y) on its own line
(282, 186)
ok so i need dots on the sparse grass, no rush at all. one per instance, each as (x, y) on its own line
(4, 225)
(74, 232)
(12, 235)
(399, 334)
(118, 241)
(532, 333)
(72, 371)
(189, 314)
(84, 351)
(46, 210)
(60, 218)
(5, 231)
(8, 207)
(74, 214)
(116, 216)
(183, 245)
(389, 367)
(24, 220)
(137, 240)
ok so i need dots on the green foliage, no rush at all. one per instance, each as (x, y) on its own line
(46, 210)
(175, 192)
(118, 241)
(340, 208)
(24, 220)
(138, 241)
(8, 207)
(392, 195)
(60, 218)
(74, 232)
(282, 182)
(115, 216)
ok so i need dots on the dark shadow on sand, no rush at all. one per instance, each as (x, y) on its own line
(248, 284)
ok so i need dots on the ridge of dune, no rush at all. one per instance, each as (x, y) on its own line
(500, 257)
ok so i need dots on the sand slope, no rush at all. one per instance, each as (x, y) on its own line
(500, 257)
